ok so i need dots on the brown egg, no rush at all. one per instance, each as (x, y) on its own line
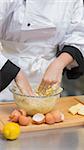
(49, 119)
(16, 112)
(23, 120)
(23, 112)
(15, 116)
(58, 116)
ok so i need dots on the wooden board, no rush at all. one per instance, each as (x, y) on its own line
(63, 105)
(80, 99)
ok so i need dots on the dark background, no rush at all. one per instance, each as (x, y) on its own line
(73, 87)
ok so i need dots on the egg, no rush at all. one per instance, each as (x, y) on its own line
(38, 118)
(14, 116)
(54, 117)
(23, 112)
(23, 120)
(58, 116)
(49, 119)
(14, 119)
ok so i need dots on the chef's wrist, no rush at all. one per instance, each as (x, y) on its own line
(18, 76)
(64, 59)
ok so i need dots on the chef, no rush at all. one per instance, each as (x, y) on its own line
(44, 39)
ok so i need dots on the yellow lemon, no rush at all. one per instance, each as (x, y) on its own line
(11, 131)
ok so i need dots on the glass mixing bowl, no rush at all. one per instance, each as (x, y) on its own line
(36, 104)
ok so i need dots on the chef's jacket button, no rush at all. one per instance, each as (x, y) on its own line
(28, 24)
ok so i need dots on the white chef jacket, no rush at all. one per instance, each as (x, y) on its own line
(30, 31)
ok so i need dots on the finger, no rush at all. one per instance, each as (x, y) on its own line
(30, 91)
(20, 89)
(42, 88)
(45, 87)
(41, 85)
(24, 88)
(56, 86)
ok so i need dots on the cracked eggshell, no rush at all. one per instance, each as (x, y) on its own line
(59, 116)
(38, 118)
(14, 116)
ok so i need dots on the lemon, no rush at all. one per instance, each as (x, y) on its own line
(11, 131)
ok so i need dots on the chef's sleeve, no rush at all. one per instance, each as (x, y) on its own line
(73, 42)
(8, 72)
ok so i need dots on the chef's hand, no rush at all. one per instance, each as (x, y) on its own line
(23, 84)
(53, 74)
